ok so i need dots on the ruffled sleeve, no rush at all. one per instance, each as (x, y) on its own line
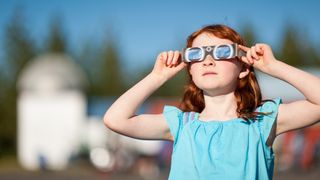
(173, 116)
(268, 122)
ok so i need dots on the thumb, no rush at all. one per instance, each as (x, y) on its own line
(182, 65)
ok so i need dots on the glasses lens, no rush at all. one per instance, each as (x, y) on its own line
(223, 52)
(194, 54)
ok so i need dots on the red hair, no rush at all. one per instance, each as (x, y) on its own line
(247, 93)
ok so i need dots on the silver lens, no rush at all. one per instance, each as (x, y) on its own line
(223, 52)
(194, 54)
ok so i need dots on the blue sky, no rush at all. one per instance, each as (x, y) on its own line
(145, 28)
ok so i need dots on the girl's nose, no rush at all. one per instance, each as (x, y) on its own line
(209, 61)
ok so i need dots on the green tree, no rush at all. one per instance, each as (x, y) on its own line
(3, 89)
(110, 78)
(311, 55)
(88, 59)
(56, 39)
(291, 50)
(173, 88)
(19, 48)
(248, 34)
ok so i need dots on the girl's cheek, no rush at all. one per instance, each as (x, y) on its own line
(193, 69)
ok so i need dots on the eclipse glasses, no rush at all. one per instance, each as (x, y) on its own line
(218, 52)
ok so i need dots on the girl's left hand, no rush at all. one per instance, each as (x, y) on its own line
(259, 56)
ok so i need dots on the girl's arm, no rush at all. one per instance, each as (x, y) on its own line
(296, 114)
(121, 118)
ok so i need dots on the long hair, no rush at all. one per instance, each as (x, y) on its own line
(247, 92)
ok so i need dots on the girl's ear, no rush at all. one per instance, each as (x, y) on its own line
(189, 70)
(245, 71)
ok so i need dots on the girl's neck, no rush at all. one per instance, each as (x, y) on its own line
(220, 107)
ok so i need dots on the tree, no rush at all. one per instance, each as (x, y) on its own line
(173, 88)
(56, 40)
(311, 56)
(88, 59)
(248, 34)
(19, 48)
(110, 77)
(291, 51)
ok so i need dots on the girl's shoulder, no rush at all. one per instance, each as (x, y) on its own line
(173, 116)
(177, 119)
(267, 119)
(269, 106)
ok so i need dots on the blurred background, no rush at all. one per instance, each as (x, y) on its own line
(63, 63)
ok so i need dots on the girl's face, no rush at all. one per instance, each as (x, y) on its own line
(214, 77)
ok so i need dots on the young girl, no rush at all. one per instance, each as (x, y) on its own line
(223, 129)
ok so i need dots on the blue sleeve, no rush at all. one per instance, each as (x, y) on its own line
(267, 121)
(173, 116)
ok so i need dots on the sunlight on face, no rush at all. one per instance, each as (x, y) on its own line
(211, 75)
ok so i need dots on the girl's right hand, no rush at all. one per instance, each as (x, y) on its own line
(168, 64)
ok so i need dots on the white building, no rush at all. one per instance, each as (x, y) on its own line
(51, 112)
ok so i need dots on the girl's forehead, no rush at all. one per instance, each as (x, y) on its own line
(206, 39)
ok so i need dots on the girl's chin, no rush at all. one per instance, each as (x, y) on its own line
(209, 88)
(208, 84)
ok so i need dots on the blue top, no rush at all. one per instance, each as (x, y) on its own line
(233, 149)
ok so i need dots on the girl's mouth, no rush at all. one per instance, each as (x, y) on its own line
(209, 73)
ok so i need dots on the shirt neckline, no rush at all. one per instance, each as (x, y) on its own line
(196, 118)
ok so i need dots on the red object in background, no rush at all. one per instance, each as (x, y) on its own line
(156, 107)
(311, 139)
(287, 149)
(305, 159)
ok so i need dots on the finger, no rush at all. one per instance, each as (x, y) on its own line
(244, 48)
(258, 49)
(254, 53)
(181, 65)
(159, 56)
(169, 59)
(249, 57)
(175, 57)
(164, 56)
(245, 60)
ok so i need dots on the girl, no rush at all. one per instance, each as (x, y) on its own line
(223, 129)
